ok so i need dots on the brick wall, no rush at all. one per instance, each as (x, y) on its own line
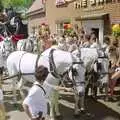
(54, 14)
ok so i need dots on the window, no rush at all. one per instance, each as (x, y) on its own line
(60, 27)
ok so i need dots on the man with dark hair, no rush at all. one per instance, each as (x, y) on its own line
(35, 104)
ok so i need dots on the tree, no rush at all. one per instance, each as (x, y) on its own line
(1, 6)
(17, 3)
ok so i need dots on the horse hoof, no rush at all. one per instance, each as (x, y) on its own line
(106, 99)
(76, 115)
(94, 98)
(87, 114)
(59, 117)
(113, 99)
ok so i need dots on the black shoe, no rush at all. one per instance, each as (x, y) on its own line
(59, 117)
(113, 99)
(87, 114)
(76, 115)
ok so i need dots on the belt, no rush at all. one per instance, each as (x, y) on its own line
(43, 118)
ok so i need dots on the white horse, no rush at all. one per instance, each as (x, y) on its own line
(61, 63)
(6, 46)
(26, 45)
(97, 60)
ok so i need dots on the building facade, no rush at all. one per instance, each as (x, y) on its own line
(98, 15)
(36, 15)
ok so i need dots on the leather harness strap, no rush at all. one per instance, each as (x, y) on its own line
(41, 88)
(36, 64)
(52, 65)
(20, 73)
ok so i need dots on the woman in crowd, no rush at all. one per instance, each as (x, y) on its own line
(93, 42)
(86, 41)
(114, 57)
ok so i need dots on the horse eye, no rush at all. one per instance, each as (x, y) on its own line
(74, 71)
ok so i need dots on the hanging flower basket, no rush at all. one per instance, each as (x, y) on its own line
(116, 30)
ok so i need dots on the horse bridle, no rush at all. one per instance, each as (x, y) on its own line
(54, 72)
(99, 64)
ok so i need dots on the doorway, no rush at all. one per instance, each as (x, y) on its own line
(96, 32)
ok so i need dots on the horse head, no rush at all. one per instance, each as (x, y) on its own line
(7, 46)
(71, 70)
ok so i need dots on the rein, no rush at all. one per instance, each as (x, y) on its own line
(17, 75)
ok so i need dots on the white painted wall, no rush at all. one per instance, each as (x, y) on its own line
(88, 24)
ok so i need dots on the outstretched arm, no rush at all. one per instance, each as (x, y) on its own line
(116, 75)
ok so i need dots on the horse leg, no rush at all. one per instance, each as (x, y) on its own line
(14, 90)
(87, 90)
(106, 91)
(94, 92)
(76, 108)
(20, 87)
(52, 107)
(56, 98)
(82, 103)
(12, 71)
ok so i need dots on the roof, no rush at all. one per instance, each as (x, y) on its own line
(35, 7)
(91, 16)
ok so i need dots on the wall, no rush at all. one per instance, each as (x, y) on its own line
(35, 21)
(53, 13)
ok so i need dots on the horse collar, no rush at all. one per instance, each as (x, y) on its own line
(52, 65)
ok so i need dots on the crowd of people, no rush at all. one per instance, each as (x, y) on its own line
(35, 107)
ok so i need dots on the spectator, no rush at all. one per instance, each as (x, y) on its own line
(106, 43)
(86, 41)
(93, 42)
(115, 76)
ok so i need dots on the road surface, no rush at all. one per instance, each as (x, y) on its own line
(100, 110)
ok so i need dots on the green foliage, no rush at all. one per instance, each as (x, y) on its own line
(17, 3)
(1, 6)
(68, 31)
(116, 30)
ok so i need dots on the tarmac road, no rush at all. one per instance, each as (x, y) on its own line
(100, 109)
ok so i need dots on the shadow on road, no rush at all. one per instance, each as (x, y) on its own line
(99, 110)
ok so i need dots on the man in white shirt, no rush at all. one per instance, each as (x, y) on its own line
(35, 104)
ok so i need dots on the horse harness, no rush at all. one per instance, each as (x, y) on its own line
(41, 88)
(99, 66)
(36, 64)
(54, 72)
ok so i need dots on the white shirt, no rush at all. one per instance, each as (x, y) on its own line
(36, 101)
